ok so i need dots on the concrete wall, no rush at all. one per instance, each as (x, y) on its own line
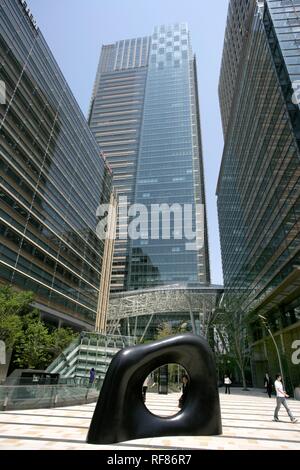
(4, 367)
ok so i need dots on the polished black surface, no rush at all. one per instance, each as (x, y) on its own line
(121, 415)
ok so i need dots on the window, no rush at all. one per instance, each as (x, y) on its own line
(176, 180)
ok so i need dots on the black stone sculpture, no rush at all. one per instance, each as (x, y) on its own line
(121, 415)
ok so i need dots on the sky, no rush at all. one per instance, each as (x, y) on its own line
(76, 29)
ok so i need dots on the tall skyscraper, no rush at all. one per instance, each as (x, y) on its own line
(145, 116)
(240, 14)
(259, 183)
(52, 179)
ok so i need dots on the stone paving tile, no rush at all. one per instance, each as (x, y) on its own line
(246, 416)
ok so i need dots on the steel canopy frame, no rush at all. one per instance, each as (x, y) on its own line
(199, 300)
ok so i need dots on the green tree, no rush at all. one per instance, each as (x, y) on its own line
(33, 349)
(10, 329)
(22, 330)
(38, 347)
(13, 306)
(164, 330)
(60, 340)
(15, 303)
(232, 330)
(238, 340)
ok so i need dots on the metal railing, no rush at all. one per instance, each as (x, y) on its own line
(73, 392)
(89, 350)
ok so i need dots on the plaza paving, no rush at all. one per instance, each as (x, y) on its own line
(247, 424)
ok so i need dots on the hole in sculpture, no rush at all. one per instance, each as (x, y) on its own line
(165, 389)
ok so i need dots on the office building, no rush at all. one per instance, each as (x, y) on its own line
(145, 116)
(52, 180)
(259, 183)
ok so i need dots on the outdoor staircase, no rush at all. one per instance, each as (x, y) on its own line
(89, 350)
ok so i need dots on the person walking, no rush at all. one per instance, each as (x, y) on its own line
(145, 387)
(281, 397)
(227, 383)
(268, 385)
(92, 375)
(185, 389)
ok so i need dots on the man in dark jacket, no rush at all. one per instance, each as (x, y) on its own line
(268, 385)
(185, 389)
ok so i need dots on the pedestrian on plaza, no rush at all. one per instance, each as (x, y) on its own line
(145, 387)
(185, 389)
(281, 397)
(227, 383)
(268, 385)
(92, 375)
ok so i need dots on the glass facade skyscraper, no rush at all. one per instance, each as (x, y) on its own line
(259, 183)
(115, 120)
(145, 115)
(240, 13)
(52, 179)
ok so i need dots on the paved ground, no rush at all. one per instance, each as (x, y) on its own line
(247, 424)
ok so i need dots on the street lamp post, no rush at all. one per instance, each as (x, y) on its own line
(264, 322)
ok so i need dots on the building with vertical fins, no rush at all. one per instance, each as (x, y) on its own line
(52, 180)
(145, 116)
(115, 120)
(259, 183)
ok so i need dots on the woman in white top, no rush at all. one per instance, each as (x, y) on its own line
(227, 383)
